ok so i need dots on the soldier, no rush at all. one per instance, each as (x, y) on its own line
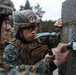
(42, 67)
(24, 48)
(6, 10)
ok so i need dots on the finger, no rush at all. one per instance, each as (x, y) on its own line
(66, 54)
(60, 20)
(61, 46)
(58, 23)
(49, 56)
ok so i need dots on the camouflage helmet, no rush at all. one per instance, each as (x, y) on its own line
(6, 7)
(25, 18)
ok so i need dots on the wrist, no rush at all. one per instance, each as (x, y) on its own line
(57, 63)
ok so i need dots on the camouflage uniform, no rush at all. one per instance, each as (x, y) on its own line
(40, 68)
(18, 51)
(6, 10)
(15, 72)
(49, 39)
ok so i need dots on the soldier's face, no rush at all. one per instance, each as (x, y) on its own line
(29, 33)
(4, 30)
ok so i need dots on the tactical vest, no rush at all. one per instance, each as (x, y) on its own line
(31, 53)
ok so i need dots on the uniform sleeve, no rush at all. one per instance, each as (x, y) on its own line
(8, 72)
(42, 68)
(45, 67)
(15, 72)
(11, 55)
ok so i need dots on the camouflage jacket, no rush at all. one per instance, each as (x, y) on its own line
(17, 53)
(15, 72)
(12, 56)
(49, 39)
(40, 68)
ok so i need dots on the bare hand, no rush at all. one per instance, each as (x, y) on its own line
(48, 58)
(58, 24)
(60, 57)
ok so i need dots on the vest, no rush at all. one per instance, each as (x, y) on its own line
(31, 53)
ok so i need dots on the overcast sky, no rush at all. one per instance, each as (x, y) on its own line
(52, 8)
